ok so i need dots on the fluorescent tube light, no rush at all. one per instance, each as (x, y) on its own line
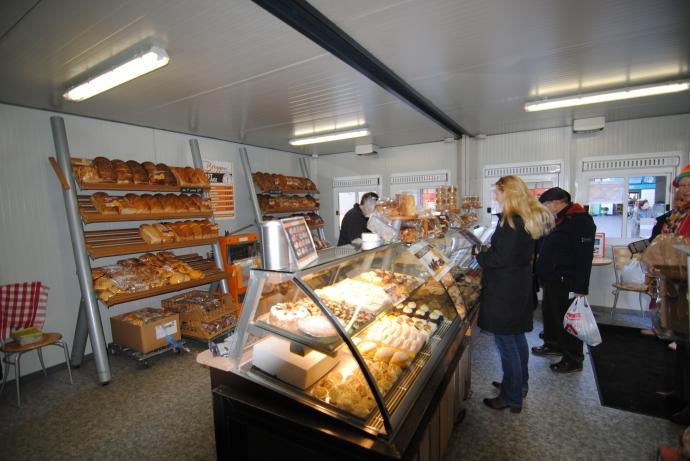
(143, 62)
(605, 96)
(330, 136)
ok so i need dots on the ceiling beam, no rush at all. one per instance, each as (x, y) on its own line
(309, 21)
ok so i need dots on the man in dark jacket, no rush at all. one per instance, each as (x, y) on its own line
(355, 220)
(563, 266)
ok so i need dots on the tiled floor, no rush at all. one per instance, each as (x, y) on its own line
(164, 412)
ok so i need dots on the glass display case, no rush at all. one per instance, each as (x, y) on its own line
(357, 333)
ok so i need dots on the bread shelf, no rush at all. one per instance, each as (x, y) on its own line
(290, 210)
(94, 217)
(136, 187)
(100, 244)
(90, 215)
(207, 266)
(286, 192)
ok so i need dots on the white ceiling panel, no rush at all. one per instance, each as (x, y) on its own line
(240, 74)
(480, 60)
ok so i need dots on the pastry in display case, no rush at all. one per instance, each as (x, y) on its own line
(355, 334)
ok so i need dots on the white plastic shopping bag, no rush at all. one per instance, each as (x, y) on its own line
(579, 321)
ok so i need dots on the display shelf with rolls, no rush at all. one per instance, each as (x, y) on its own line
(358, 337)
(169, 193)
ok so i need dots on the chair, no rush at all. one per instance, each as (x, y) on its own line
(22, 305)
(622, 256)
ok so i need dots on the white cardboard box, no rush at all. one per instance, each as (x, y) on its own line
(273, 356)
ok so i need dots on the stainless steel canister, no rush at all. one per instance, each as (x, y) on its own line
(275, 253)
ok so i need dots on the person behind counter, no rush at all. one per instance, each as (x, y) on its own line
(564, 264)
(506, 297)
(355, 220)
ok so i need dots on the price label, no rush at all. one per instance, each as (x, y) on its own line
(192, 190)
(300, 240)
(432, 258)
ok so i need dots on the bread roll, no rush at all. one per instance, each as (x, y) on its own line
(150, 234)
(189, 203)
(185, 231)
(168, 177)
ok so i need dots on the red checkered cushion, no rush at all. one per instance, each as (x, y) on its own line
(22, 305)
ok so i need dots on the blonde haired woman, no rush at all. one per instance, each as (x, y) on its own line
(506, 304)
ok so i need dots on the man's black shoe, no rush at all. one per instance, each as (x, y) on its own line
(545, 350)
(564, 367)
(498, 384)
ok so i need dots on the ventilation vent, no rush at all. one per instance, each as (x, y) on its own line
(522, 170)
(420, 178)
(631, 163)
(356, 181)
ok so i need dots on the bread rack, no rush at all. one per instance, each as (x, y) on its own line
(90, 245)
(253, 193)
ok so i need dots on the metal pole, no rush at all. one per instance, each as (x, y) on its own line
(81, 333)
(217, 256)
(81, 258)
(244, 157)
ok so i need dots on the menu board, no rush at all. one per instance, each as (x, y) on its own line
(300, 240)
(432, 258)
(222, 193)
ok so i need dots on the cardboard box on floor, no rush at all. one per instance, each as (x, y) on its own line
(147, 336)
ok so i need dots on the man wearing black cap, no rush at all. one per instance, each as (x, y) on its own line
(564, 263)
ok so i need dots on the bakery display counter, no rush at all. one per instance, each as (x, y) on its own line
(357, 336)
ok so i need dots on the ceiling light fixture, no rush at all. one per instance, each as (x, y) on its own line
(330, 136)
(606, 96)
(129, 67)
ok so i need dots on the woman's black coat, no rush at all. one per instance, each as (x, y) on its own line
(506, 302)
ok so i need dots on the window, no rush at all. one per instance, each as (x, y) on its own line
(625, 194)
(420, 184)
(626, 206)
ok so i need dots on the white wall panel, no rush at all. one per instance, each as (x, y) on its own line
(35, 243)
(417, 157)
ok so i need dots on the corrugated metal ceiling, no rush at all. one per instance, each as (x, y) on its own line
(238, 73)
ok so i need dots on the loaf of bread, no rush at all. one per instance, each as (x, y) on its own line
(166, 234)
(139, 175)
(200, 178)
(150, 234)
(105, 169)
(105, 204)
(168, 177)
